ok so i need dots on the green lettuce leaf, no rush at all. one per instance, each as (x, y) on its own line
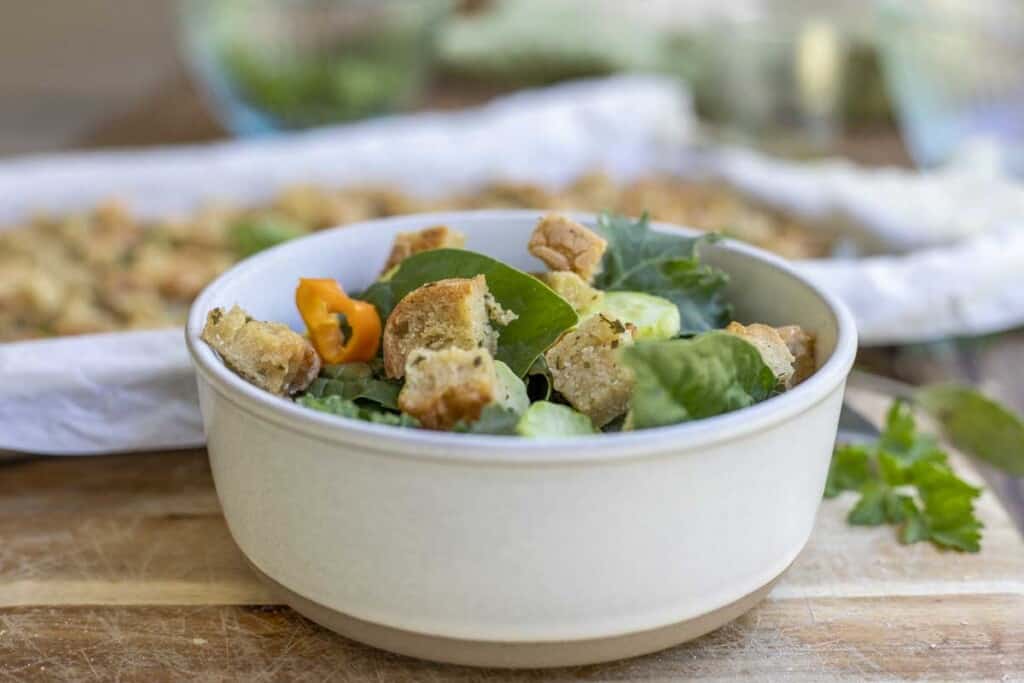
(335, 405)
(543, 315)
(511, 390)
(355, 381)
(546, 419)
(494, 419)
(976, 425)
(689, 379)
(643, 260)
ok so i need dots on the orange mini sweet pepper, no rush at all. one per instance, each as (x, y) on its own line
(320, 300)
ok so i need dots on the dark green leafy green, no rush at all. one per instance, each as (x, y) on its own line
(689, 379)
(643, 260)
(495, 419)
(355, 381)
(976, 425)
(905, 479)
(543, 315)
(539, 383)
(336, 405)
(256, 233)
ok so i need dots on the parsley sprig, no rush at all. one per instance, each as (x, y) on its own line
(905, 479)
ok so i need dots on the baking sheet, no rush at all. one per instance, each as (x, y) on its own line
(135, 391)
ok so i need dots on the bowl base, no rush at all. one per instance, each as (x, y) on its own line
(515, 655)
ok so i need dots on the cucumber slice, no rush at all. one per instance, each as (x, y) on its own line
(546, 419)
(655, 318)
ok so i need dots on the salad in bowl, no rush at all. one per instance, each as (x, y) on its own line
(627, 329)
(506, 438)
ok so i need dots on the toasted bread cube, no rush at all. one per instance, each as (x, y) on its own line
(770, 345)
(445, 387)
(408, 243)
(564, 244)
(801, 345)
(270, 355)
(440, 314)
(572, 288)
(585, 369)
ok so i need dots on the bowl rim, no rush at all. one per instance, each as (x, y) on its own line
(507, 449)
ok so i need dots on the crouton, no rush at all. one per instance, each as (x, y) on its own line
(801, 344)
(408, 243)
(270, 355)
(586, 372)
(445, 387)
(572, 288)
(450, 312)
(564, 244)
(770, 345)
(498, 313)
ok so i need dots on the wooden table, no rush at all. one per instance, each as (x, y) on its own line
(121, 568)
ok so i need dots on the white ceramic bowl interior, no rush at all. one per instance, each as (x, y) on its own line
(507, 540)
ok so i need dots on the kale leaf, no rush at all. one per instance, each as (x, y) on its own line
(640, 259)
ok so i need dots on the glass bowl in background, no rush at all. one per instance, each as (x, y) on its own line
(270, 65)
(955, 69)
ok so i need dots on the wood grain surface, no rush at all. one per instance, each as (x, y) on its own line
(121, 568)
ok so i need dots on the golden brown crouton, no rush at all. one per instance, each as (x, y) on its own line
(564, 244)
(408, 243)
(440, 314)
(270, 355)
(801, 345)
(585, 370)
(770, 345)
(572, 288)
(447, 386)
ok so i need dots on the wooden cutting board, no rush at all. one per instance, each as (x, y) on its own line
(121, 568)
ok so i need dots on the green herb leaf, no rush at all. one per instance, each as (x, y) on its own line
(643, 260)
(336, 405)
(256, 233)
(890, 472)
(543, 315)
(353, 381)
(870, 509)
(850, 469)
(977, 425)
(689, 379)
(901, 439)
(915, 527)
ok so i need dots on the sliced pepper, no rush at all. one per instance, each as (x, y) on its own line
(320, 300)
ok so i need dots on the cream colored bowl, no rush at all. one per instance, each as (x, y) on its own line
(505, 551)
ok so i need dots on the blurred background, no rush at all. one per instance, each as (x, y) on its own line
(915, 85)
(882, 81)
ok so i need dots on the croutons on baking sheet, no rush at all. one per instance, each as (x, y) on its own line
(769, 343)
(270, 355)
(801, 344)
(572, 288)
(564, 244)
(452, 312)
(586, 372)
(408, 243)
(447, 386)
